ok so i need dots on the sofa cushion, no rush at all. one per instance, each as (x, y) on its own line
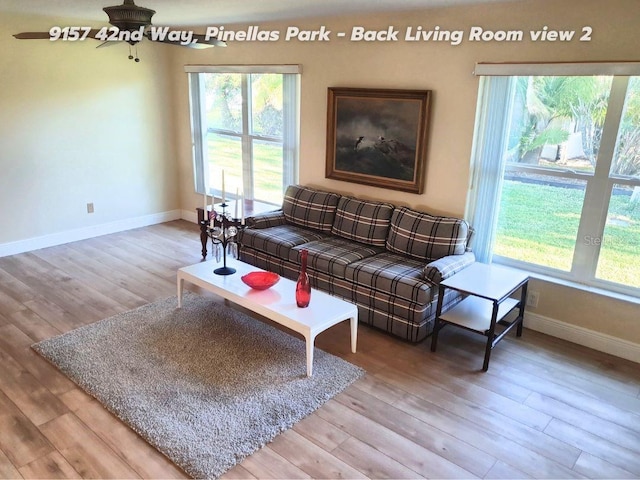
(363, 221)
(310, 208)
(332, 255)
(278, 240)
(426, 237)
(392, 274)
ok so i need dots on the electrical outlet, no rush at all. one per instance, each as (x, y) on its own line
(532, 299)
(89, 207)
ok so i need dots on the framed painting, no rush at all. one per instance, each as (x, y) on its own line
(378, 137)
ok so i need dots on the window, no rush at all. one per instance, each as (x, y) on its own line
(556, 186)
(245, 123)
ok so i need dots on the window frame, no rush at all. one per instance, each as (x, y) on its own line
(200, 130)
(599, 184)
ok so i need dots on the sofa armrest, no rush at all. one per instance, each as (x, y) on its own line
(266, 219)
(445, 267)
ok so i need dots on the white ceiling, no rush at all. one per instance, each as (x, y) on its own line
(219, 12)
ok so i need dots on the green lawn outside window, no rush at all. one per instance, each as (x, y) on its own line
(538, 224)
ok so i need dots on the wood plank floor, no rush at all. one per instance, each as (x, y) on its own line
(545, 409)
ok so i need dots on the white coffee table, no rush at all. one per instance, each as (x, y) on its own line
(277, 303)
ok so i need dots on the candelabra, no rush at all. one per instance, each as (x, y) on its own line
(223, 231)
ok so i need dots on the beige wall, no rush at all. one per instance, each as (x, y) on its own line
(447, 71)
(80, 125)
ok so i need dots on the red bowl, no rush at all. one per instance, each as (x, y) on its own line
(260, 280)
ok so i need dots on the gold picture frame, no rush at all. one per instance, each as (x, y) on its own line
(378, 137)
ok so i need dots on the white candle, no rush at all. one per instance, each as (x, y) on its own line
(205, 206)
(223, 195)
(242, 208)
(235, 213)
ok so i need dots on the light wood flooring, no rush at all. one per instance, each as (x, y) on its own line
(545, 409)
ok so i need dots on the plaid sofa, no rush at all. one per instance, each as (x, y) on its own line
(387, 260)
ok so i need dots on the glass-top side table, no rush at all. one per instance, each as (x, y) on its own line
(488, 290)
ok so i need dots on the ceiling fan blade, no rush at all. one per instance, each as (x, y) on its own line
(93, 32)
(107, 43)
(33, 36)
(212, 42)
(200, 44)
(174, 42)
(47, 35)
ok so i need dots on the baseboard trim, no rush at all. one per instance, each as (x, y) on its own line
(602, 342)
(53, 239)
(189, 216)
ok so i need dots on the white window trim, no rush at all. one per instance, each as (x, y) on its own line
(295, 69)
(601, 288)
(569, 69)
(290, 139)
(598, 192)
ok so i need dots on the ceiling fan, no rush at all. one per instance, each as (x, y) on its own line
(130, 24)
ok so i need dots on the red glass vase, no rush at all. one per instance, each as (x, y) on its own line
(303, 287)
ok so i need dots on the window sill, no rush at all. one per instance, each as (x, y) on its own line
(573, 284)
(587, 288)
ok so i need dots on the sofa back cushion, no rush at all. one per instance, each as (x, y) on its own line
(363, 221)
(426, 237)
(306, 207)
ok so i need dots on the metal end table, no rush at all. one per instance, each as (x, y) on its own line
(489, 300)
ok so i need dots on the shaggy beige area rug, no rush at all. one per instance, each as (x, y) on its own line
(205, 384)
